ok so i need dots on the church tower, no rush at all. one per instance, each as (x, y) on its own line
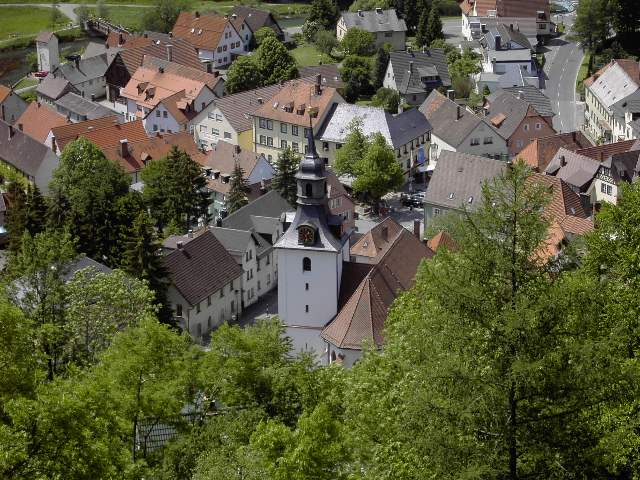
(310, 256)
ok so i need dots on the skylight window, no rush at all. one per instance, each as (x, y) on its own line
(450, 195)
(470, 200)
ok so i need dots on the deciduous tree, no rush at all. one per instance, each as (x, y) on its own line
(358, 42)
(274, 62)
(243, 74)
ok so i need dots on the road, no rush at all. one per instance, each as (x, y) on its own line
(563, 62)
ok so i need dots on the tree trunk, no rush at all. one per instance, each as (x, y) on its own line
(513, 449)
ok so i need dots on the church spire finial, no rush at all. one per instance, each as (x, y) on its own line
(311, 144)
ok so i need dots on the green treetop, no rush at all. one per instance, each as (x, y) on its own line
(238, 190)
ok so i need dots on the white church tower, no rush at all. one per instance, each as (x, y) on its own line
(310, 256)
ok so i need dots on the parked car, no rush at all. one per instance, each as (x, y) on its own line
(413, 200)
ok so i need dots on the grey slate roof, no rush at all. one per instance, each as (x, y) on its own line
(235, 241)
(81, 263)
(457, 180)
(79, 105)
(239, 107)
(329, 72)
(625, 167)
(575, 169)
(201, 268)
(507, 105)
(21, 151)
(398, 130)
(425, 63)
(93, 49)
(507, 37)
(375, 21)
(54, 88)
(442, 114)
(271, 205)
(614, 84)
(88, 69)
(535, 97)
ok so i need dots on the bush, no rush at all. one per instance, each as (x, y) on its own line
(386, 98)
(325, 41)
(463, 86)
(358, 42)
(262, 34)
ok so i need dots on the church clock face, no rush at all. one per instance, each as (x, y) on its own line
(306, 235)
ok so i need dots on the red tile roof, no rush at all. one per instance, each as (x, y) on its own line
(378, 240)
(362, 317)
(111, 135)
(602, 152)
(4, 92)
(37, 121)
(541, 151)
(67, 133)
(223, 158)
(442, 239)
(200, 30)
(139, 153)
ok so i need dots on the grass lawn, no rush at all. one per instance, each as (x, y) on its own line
(582, 74)
(18, 21)
(25, 82)
(307, 55)
(128, 17)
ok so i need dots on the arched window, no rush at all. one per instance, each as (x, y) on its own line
(308, 190)
(306, 264)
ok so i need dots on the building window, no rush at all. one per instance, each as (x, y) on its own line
(526, 127)
(227, 135)
(218, 117)
(233, 306)
(306, 132)
(270, 141)
(198, 307)
(475, 141)
(306, 264)
(436, 212)
(488, 140)
(283, 144)
(306, 308)
(306, 286)
(203, 128)
(268, 279)
(538, 126)
(157, 113)
(248, 277)
(268, 259)
(209, 301)
(164, 114)
(606, 188)
(222, 292)
(294, 147)
(178, 309)
(283, 128)
(263, 140)
(308, 190)
(258, 285)
(155, 127)
(294, 130)
(269, 124)
(211, 115)
(262, 123)
(215, 131)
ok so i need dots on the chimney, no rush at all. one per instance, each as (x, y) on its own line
(483, 27)
(416, 228)
(260, 101)
(563, 161)
(93, 97)
(170, 34)
(234, 15)
(458, 112)
(190, 233)
(360, 13)
(197, 14)
(216, 73)
(409, 49)
(124, 148)
(20, 127)
(318, 85)
(169, 53)
(379, 11)
(498, 39)
(161, 69)
(451, 94)
(179, 245)
(411, 66)
(520, 94)
(120, 39)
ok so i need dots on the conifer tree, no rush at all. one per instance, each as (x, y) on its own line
(142, 259)
(238, 190)
(36, 210)
(434, 25)
(380, 67)
(284, 181)
(422, 30)
(16, 221)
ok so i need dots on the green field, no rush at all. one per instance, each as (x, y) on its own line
(307, 55)
(19, 21)
(128, 17)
